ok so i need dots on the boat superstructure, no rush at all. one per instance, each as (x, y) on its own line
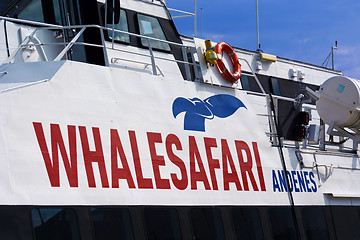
(113, 125)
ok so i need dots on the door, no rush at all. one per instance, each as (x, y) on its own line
(81, 12)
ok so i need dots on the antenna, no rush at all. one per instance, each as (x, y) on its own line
(257, 27)
(195, 18)
(330, 57)
(201, 22)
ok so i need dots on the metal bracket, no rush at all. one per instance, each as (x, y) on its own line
(341, 132)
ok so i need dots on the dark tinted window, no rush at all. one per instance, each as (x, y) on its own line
(207, 224)
(112, 223)
(162, 223)
(247, 223)
(347, 222)
(4, 4)
(275, 86)
(251, 84)
(15, 223)
(282, 223)
(55, 224)
(245, 82)
(57, 14)
(33, 11)
(314, 222)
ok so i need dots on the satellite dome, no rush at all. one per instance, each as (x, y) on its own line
(339, 102)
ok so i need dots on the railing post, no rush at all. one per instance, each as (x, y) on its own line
(152, 58)
(62, 53)
(106, 59)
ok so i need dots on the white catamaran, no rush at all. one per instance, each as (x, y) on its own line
(114, 126)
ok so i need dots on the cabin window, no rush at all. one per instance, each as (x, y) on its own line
(150, 26)
(112, 223)
(245, 82)
(162, 223)
(33, 12)
(282, 223)
(55, 224)
(247, 223)
(250, 83)
(275, 86)
(207, 224)
(314, 222)
(122, 26)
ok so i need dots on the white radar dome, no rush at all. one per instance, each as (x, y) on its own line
(339, 102)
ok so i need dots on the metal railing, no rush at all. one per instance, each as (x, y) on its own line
(79, 31)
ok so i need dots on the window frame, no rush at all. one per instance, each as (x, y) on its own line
(140, 39)
(108, 37)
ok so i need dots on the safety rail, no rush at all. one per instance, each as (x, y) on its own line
(116, 59)
(253, 75)
(79, 33)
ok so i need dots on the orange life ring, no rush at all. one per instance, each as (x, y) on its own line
(234, 76)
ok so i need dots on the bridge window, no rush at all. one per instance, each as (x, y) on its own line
(275, 86)
(247, 223)
(150, 26)
(122, 26)
(245, 82)
(112, 223)
(55, 224)
(33, 12)
(207, 224)
(162, 223)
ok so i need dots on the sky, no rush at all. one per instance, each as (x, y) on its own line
(303, 30)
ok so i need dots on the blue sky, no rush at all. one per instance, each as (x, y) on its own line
(300, 30)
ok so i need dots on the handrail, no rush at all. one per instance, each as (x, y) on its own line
(71, 43)
(26, 40)
(29, 22)
(114, 60)
(68, 45)
(186, 14)
(59, 27)
(253, 73)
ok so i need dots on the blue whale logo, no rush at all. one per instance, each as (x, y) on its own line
(197, 110)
